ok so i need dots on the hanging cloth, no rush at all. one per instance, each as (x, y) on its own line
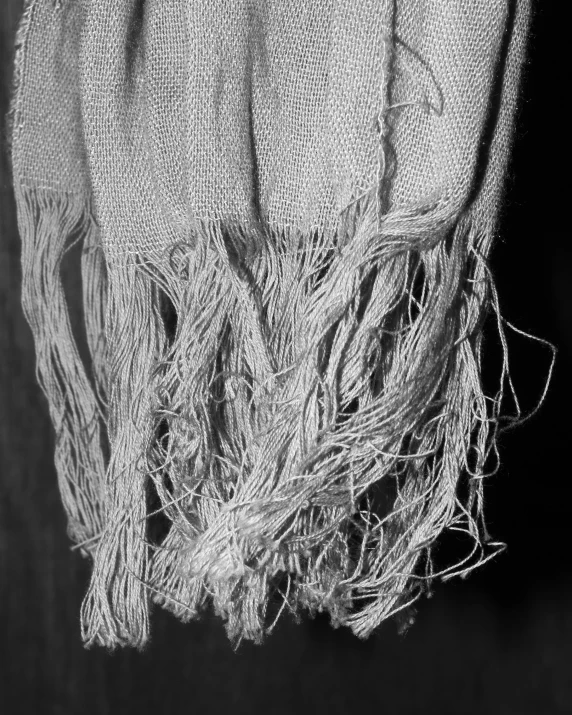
(284, 212)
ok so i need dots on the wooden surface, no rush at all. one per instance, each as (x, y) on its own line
(500, 643)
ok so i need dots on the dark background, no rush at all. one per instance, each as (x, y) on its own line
(498, 643)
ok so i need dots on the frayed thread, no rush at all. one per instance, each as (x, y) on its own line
(48, 222)
(306, 417)
(320, 403)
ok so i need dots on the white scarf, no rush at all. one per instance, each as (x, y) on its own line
(285, 211)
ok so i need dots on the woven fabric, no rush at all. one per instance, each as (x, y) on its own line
(285, 212)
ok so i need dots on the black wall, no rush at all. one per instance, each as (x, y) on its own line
(499, 643)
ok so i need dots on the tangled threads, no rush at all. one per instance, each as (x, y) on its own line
(285, 218)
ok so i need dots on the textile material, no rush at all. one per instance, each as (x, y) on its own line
(285, 212)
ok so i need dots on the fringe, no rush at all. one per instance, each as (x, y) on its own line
(50, 222)
(115, 610)
(290, 426)
(304, 425)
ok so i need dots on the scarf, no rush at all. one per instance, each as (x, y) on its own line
(282, 214)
